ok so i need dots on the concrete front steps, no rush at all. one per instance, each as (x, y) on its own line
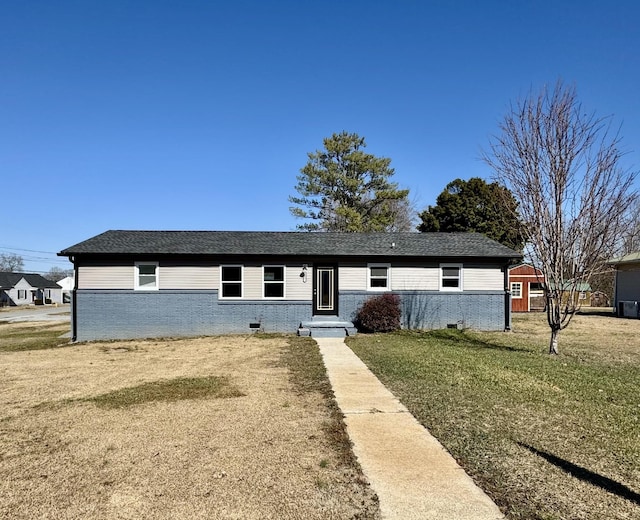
(327, 327)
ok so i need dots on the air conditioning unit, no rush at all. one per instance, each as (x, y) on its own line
(629, 309)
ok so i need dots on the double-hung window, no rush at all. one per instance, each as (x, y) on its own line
(273, 281)
(516, 290)
(451, 277)
(379, 277)
(146, 276)
(231, 281)
(22, 294)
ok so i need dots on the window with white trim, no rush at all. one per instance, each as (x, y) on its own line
(379, 277)
(146, 276)
(451, 277)
(273, 281)
(22, 294)
(230, 281)
(516, 290)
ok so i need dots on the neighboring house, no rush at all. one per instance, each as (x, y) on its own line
(67, 286)
(526, 284)
(26, 289)
(626, 299)
(133, 284)
(583, 294)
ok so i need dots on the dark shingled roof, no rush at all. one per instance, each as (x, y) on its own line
(631, 258)
(291, 244)
(8, 280)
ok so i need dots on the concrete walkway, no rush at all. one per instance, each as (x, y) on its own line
(413, 475)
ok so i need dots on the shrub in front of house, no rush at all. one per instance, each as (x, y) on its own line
(379, 314)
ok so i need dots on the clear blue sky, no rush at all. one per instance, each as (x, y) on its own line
(199, 114)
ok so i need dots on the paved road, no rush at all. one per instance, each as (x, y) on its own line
(41, 313)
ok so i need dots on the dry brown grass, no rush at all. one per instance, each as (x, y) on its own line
(591, 336)
(264, 454)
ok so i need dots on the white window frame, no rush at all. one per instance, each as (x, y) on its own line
(283, 282)
(22, 291)
(241, 281)
(513, 292)
(459, 278)
(370, 287)
(136, 279)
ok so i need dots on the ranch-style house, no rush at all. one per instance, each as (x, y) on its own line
(136, 284)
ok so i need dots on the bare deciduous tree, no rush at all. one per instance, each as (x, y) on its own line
(563, 167)
(631, 237)
(404, 215)
(11, 263)
(55, 274)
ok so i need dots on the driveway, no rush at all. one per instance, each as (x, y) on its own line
(41, 313)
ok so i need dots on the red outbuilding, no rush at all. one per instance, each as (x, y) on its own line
(526, 285)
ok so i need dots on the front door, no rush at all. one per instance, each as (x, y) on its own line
(325, 290)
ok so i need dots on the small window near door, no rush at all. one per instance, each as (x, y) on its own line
(231, 281)
(22, 294)
(516, 290)
(273, 281)
(146, 276)
(379, 277)
(451, 277)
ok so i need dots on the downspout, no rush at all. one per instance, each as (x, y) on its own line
(507, 299)
(74, 312)
(615, 293)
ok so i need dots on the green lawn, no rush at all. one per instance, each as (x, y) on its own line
(547, 437)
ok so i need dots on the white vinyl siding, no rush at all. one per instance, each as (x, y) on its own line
(189, 277)
(252, 282)
(483, 278)
(352, 278)
(415, 278)
(106, 277)
(299, 287)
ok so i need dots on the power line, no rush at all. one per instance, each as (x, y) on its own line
(29, 250)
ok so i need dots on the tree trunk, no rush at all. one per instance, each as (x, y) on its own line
(553, 344)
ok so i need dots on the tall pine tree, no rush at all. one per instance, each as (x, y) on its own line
(342, 188)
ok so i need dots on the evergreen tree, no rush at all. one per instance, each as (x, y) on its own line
(342, 188)
(474, 205)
